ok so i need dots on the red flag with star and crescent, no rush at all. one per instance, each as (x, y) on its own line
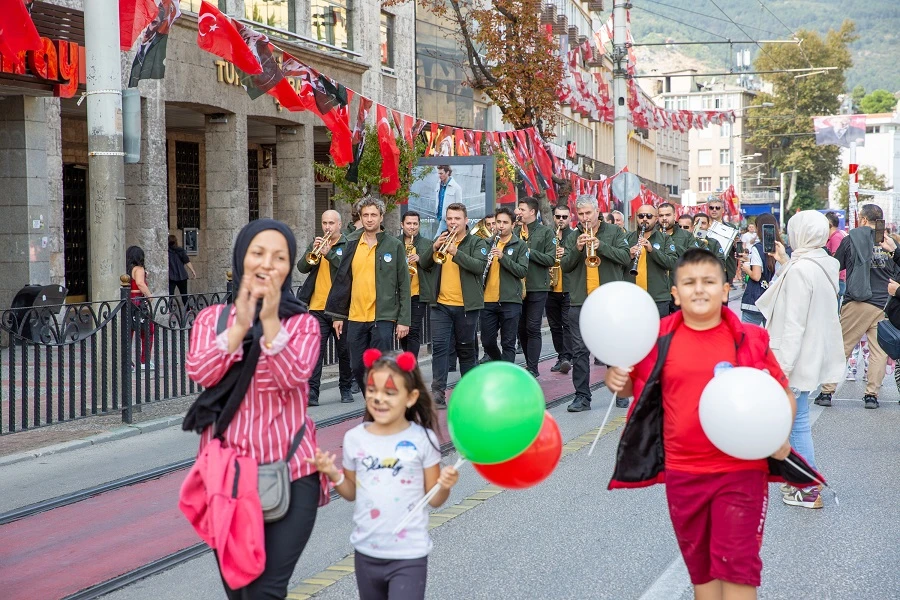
(390, 154)
(17, 30)
(219, 34)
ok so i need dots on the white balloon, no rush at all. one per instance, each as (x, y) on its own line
(745, 413)
(619, 323)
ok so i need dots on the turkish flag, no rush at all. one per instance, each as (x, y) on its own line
(390, 154)
(17, 30)
(134, 16)
(219, 34)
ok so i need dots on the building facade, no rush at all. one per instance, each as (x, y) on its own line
(211, 158)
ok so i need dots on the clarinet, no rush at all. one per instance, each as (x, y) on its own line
(487, 267)
(637, 257)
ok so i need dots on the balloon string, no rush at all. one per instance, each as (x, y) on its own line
(791, 462)
(605, 419)
(421, 503)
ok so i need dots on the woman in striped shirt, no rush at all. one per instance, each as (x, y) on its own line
(255, 366)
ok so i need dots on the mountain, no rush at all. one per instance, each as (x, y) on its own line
(874, 54)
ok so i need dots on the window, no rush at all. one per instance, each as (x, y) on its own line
(725, 130)
(724, 182)
(187, 184)
(387, 40)
(704, 158)
(724, 157)
(705, 184)
(330, 21)
(273, 13)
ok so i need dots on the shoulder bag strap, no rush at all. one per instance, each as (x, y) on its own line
(296, 443)
(222, 322)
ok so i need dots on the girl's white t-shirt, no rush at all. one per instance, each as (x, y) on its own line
(390, 475)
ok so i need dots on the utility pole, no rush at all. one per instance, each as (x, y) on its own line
(620, 90)
(106, 172)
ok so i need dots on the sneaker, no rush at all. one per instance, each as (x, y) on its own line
(354, 387)
(534, 374)
(822, 399)
(579, 405)
(870, 401)
(313, 401)
(346, 397)
(786, 489)
(555, 368)
(564, 367)
(808, 498)
(622, 402)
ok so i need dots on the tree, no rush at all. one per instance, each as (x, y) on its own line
(858, 93)
(878, 101)
(869, 179)
(785, 129)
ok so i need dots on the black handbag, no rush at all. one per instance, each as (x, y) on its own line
(889, 339)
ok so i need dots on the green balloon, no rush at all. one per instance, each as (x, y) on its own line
(495, 413)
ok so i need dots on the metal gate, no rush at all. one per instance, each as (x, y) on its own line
(75, 234)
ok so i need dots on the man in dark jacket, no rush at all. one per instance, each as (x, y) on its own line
(419, 282)
(656, 256)
(681, 237)
(456, 298)
(314, 292)
(610, 245)
(541, 256)
(371, 289)
(701, 224)
(557, 307)
(870, 268)
(503, 290)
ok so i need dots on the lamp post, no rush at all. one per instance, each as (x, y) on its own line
(732, 178)
(781, 195)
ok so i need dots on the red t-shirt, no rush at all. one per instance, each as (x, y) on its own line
(690, 364)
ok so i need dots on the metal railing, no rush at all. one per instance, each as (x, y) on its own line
(70, 361)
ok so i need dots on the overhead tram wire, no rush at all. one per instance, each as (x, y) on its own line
(681, 22)
(763, 50)
(693, 12)
(783, 24)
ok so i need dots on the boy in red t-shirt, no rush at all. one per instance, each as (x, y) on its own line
(717, 502)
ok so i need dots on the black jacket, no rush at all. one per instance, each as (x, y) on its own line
(312, 271)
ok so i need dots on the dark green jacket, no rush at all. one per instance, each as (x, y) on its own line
(471, 258)
(659, 263)
(730, 259)
(391, 281)
(713, 246)
(513, 267)
(541, 256)
(614, 259)
(567, 277)
(426, 276)
(682, 239)
(333, 256)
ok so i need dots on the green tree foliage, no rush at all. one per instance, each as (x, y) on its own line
(878, 101)
(785, 129)
(869, 179)
(858, 93)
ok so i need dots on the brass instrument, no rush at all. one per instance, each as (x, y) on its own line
(482, 230)
(410, 250)
(490, 260)
(314, 256)
(441, 256)
(556, 269)
(523, 235)
(590, 249)
(637, 257)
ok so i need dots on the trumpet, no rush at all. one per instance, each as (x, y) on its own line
(556, 269)
(410, 250)
(441, 256)
(487, 267)
(590, 249)
(637, 257)
(314, 256)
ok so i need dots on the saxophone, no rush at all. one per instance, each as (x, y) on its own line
(490, 260)
(556, 269)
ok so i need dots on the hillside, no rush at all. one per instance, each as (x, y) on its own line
(874, 54)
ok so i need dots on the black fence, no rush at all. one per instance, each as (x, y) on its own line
(70, 361)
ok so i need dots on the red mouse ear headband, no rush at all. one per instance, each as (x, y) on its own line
(406, 361)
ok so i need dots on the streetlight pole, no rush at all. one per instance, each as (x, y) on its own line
(781, 195)
(732, 175)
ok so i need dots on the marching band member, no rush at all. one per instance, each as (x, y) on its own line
(370, 289)
(680, 235)
(508, 260)
(457, 262)
(320, 262)
(557, 307)
(701, 224)
(655, 255)
(416, 246)
(541, 256)
(716, 210)
(595, 240)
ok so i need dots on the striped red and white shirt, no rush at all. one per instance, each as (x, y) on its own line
(274, 407)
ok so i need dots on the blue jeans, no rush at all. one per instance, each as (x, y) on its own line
(751, 316)
(801, 432)
(842, 287)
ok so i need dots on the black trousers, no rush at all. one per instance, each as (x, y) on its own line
(663, 308)
(285, 541)
(413, 340)
(530, 327)
(581, 358)
(361, 337)
(451, 324)
(390, 579)
(557, 309)
(345, 373)
(502, 316)
(181, 284)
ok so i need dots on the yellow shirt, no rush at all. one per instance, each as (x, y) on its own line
(414, 284)
(593, 278)
(451, 286)
(362, 295)
(641, 278)
(323, 286)
(492, 289)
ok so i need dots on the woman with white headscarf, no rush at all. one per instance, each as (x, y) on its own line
(800, 307)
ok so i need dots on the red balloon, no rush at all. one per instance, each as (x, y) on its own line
(532, 466)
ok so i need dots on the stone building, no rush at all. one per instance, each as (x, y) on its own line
(211, 158)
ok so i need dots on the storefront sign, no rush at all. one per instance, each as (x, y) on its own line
(60, 63)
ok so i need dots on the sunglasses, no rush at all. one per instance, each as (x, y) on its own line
(645, 216)
(688, 227)
(561, 216)
(715, 208)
